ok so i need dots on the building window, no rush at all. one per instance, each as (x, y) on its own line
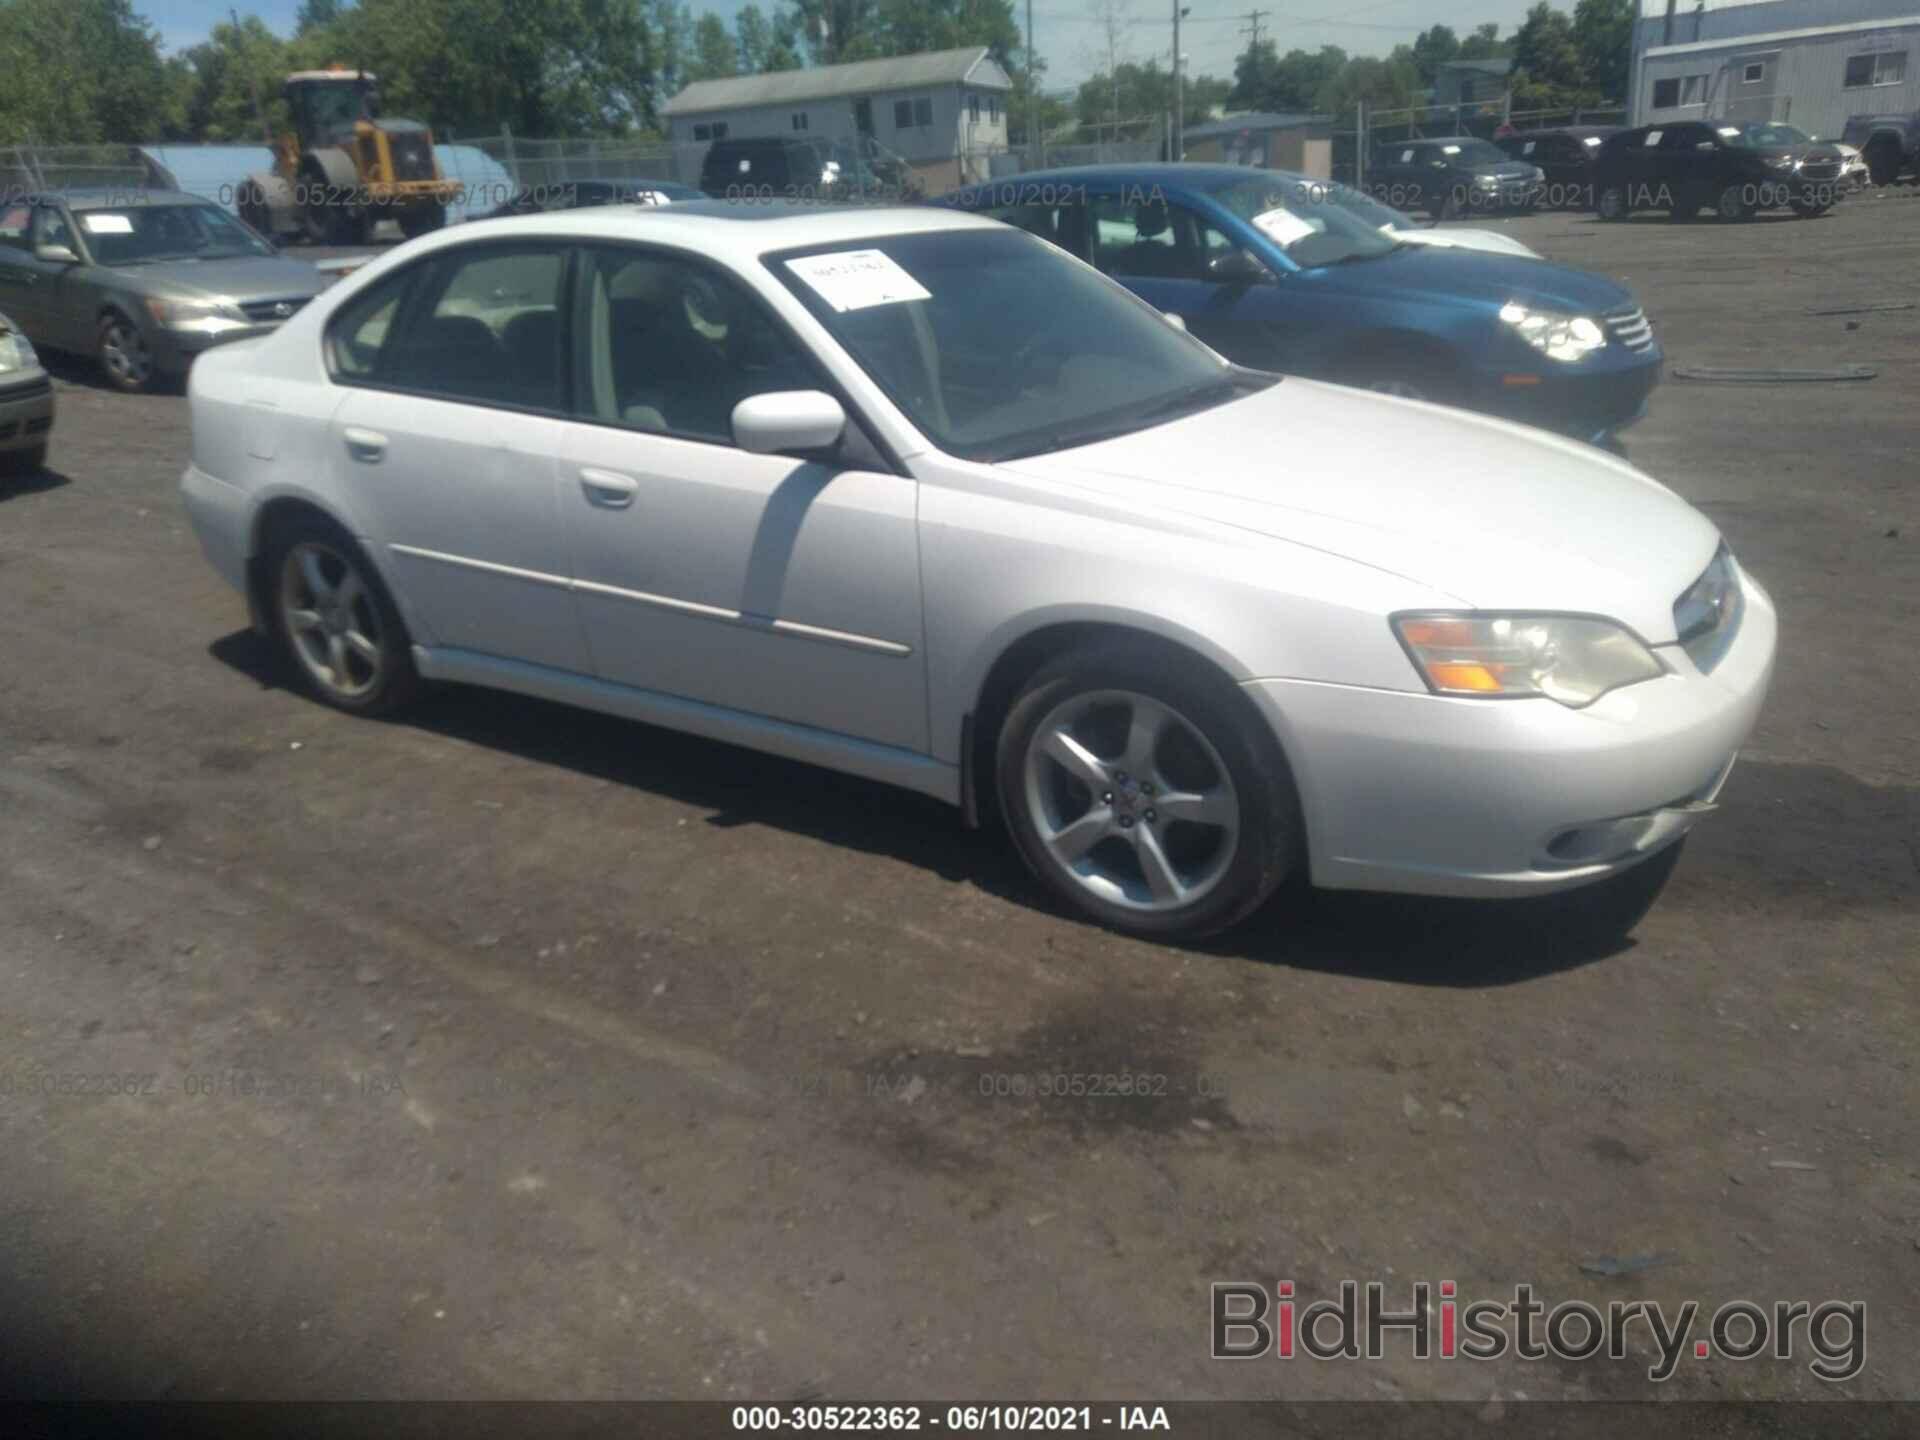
(703, 132)
(993, 107)
(909, 114)
(1885, 67)
(1754, 73)
(973, 108)
(1679, 90)
(799, 119)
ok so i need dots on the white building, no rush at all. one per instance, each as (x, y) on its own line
(1810, 63)
(944, 111)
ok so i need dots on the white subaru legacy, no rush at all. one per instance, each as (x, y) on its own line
(919, 497)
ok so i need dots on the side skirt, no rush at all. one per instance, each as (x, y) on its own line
(886, 763)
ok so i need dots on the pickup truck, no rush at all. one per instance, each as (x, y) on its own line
(1891, 144)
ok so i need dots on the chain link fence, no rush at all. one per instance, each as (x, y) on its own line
(26, 169)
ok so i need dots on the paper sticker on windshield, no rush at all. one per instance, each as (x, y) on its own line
(1283, 227)
(105, 222)
(856, 279)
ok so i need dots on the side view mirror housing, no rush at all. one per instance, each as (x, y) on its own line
(1174, 320)
(788, 422)
(1238, 267)
(56, 254)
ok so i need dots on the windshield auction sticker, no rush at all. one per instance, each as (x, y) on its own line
(1283, 227)
(857, 279)
(106, 223)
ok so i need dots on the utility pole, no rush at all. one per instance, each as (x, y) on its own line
(1178, 148)
(1252, 28)
(1033, 100)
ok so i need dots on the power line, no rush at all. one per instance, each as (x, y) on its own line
(1252, 28)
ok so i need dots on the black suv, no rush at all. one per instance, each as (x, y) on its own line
(767, 168)
(1448, 177)
(1737, 169)
(1567, 154)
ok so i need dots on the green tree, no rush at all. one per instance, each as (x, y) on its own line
(715, 54)
(1391, 84)
(1145, 95)
(317, 15)
(82, 71)
(1547, 69)
(1603, 33)
(223, 76)
(1432, 48)
(1485, 44)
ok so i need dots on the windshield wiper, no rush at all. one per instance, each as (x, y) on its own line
(1195, 397)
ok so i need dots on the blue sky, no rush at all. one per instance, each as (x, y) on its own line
(1066, 35)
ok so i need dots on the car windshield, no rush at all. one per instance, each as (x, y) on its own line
(1765, 135)
(1471, 152)
(1370, 210)
(1302, 219)
(997, 345)
(140, 233)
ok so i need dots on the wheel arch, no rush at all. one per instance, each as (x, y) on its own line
(1019, 657)
(285, 507)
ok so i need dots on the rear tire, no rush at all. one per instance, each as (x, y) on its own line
(421, 220)
(333, 621)
(1733, 204)
(1883, 162)
(1101, 739)
(1610, 204)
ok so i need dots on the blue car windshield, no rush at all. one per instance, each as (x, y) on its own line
(997, 345)
(1309, 223)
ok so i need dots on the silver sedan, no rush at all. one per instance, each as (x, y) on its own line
(921, 498)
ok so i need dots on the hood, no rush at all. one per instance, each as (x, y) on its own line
(245, 278)
(1491, 241)
(1423, 272)
(1494, 515)
(1505, 169)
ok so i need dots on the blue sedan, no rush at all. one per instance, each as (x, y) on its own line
(1273, 271)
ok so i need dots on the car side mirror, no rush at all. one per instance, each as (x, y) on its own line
(788, 422)
(1174, 320)
(56, 254)
(1238, 267)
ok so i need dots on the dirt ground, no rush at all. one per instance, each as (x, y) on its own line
(507, 1051)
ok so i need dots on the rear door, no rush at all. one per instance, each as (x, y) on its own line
(453, 374)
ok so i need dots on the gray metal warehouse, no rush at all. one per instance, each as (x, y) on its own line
(1811, 63)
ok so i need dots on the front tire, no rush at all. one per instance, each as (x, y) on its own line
(1733, 204)
(337, 628)
(125, 358)
(1144, 791)
(1611, 203)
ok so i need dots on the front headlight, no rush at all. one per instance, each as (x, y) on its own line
(1539, 175)
(15, 352)
(1487, 182)
(1782, 162)
(1571, 659)
(1557, 336)
(193, 312)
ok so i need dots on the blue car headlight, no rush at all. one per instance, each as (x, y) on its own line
(1561, 337)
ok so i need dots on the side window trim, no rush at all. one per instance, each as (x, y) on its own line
(870, 446)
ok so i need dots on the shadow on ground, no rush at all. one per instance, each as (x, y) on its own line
(1787, 833)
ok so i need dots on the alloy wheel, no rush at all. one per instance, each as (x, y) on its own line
(1131, 801)
(331, 620)
(124, 352)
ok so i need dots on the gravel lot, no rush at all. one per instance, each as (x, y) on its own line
(510, 1051)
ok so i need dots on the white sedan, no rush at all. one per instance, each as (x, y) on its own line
(919, 497)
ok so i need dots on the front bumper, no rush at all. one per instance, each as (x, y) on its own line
(1588, 403)
(26, 411)
(1425, 794)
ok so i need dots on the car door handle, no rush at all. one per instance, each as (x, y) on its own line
(369, 447)
(608, 490)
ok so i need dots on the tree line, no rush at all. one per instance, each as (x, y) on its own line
(94, 71)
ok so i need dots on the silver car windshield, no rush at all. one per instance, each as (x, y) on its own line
(139, 234)
(996, 345)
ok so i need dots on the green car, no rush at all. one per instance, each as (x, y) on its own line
(143, 280)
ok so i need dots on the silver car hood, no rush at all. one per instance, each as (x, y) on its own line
(1493, 514)
(247, 277)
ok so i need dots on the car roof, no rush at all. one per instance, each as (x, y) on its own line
(1576, 130)
(741, 231)
(110, 197)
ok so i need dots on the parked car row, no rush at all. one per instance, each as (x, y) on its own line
(915, 495)
(1736, 170)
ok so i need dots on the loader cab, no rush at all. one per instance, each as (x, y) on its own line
(328, 104)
